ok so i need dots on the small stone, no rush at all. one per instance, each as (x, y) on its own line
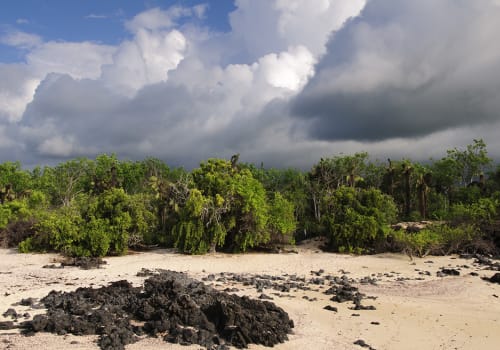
(331, 308)
(495, 278)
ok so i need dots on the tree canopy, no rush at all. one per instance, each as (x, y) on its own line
(102, 206)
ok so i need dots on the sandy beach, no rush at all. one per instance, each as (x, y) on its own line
(414, 308)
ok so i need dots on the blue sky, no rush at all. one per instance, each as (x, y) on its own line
(91, 20)
(280, 82)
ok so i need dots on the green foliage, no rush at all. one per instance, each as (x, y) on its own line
(111, 210)
(103, 206)
(226, 208)
(470, 162)
(14, 210)
(332, 173)
(68, 179)
(251, 208)
(481, 212)
(190, 234)
(437, 239)
(420, 243)
(93, 225)
(282, 222)
(59, 231)
(13, 176)
(144, 221)
(356, 219)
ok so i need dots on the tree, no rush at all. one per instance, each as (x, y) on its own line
(14, 182)
(66, 180)
(226, 208)
(332, 173)
(469, 163)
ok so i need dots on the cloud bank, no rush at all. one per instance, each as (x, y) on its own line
(291, 82)
(406, 69)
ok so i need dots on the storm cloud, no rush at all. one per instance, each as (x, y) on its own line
(292, 81)
(406, 69)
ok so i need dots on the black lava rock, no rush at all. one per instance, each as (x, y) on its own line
(6, 325)
(450, 272)
(182, 309)
(495, 278)
(331, 308)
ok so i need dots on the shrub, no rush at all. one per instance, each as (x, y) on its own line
(437, 239)
(419, 243)
(282, 222)
(356, 218)
(480, 212)
(58, 231)
(16, 232)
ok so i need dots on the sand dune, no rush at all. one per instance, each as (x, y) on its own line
(415, 309)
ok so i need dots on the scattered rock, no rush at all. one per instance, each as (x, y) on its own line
(486, 261)
(342, 291)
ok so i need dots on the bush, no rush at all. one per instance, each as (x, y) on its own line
(12, 211)
(282, 222)
(93, 226)
(437, 240)
(480, 212)
(419, 243)
(16, 232)
(58, 231)
(356, 218)
(108, 215)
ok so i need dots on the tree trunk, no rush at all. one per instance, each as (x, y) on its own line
(406, 172)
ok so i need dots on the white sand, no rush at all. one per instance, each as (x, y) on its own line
(435, 313)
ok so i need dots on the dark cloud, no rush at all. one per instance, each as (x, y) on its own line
(406, 69)
(163, 120)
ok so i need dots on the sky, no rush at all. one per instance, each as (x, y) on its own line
(283, 82)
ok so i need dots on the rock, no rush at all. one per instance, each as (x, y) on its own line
(331, 308)
(53, 266)
(11, 313)
(6, 325)
(188, 311)
(363, 344)
(264, 296)
(449, 272)
(27, 302)
(85, 263)
(495, 278)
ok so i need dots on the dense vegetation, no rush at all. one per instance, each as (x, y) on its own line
(84, 207)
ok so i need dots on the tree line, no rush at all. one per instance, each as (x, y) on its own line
(105, 206)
